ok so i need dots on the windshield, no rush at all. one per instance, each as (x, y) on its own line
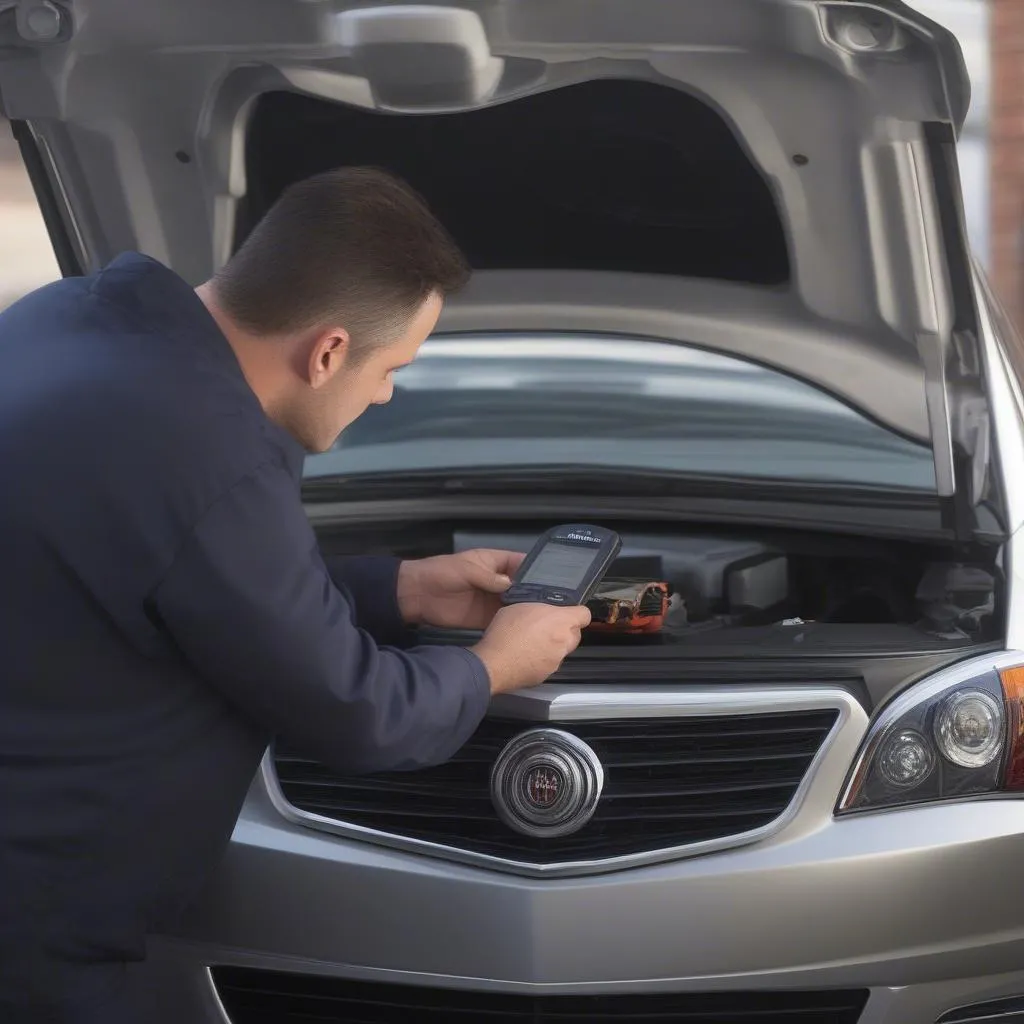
(494, 400)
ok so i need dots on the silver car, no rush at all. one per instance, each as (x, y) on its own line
(724, 305)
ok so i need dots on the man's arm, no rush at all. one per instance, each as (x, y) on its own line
(370, 583)
(250, 604)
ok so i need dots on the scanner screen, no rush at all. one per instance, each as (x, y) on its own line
(560, 565)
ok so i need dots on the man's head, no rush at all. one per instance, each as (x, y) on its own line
(335, 289)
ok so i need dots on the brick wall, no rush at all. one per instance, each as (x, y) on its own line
(1006, 153)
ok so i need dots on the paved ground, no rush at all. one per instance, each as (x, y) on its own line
(26, 258)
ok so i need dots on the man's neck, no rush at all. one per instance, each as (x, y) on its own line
(261, 361)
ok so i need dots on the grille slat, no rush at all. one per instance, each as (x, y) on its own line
(332, 810)
(669, 783)
(688, 791)
(611, 731)
(312, 792)
(763, 761)
(264, 997)
(641, 759)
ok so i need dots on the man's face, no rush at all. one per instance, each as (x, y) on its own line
(340, 388)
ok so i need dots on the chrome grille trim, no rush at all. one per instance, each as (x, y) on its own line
(560, 703)
(995, 1011)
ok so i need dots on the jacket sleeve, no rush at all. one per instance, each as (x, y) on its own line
(370, 584)
(249, 603)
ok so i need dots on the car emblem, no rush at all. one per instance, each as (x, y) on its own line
(543, 785)
(546, 783)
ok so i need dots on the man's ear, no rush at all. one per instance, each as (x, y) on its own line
(327, 354)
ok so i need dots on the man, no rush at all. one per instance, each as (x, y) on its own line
(164, 610)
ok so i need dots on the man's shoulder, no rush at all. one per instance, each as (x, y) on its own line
(119, 373)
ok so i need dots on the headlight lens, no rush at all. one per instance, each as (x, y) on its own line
(905, 759)
(969, 728)
(958, 734)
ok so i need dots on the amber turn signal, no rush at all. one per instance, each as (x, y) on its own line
(1013, 693)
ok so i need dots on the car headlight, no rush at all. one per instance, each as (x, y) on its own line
(958, 734)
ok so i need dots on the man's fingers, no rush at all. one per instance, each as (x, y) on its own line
(580, 615)
(511, 561)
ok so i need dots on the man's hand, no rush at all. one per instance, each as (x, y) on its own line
(456, 591)
(527, 642)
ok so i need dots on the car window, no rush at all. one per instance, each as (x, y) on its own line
(516, 400)
(26, 255)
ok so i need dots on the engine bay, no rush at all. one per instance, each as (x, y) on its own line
(756, 586)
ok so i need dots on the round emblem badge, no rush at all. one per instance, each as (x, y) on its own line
(546, 783)
(543, 784)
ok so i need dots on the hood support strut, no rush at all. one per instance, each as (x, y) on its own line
(957, 407)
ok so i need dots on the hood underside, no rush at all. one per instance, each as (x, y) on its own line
(137, 114)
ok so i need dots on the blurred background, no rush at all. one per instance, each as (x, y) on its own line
(991, 33)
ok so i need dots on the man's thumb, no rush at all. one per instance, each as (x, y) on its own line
(581, 614)
(490, 581)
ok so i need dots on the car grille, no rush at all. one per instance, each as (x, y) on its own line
(668, 782)
(264, 997)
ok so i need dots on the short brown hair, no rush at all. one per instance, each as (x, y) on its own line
(355, 246)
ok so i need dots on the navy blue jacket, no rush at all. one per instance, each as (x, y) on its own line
(164, 612)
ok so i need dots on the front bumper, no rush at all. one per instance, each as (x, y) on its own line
(921, 906)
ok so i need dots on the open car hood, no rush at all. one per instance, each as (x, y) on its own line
(133, 116)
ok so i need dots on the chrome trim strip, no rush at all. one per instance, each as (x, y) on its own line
(67, 209)
(218, 1003)
(556, 703)
(1005, 1017)
(1006, 403)
(1010, 1017)
(561, 702)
